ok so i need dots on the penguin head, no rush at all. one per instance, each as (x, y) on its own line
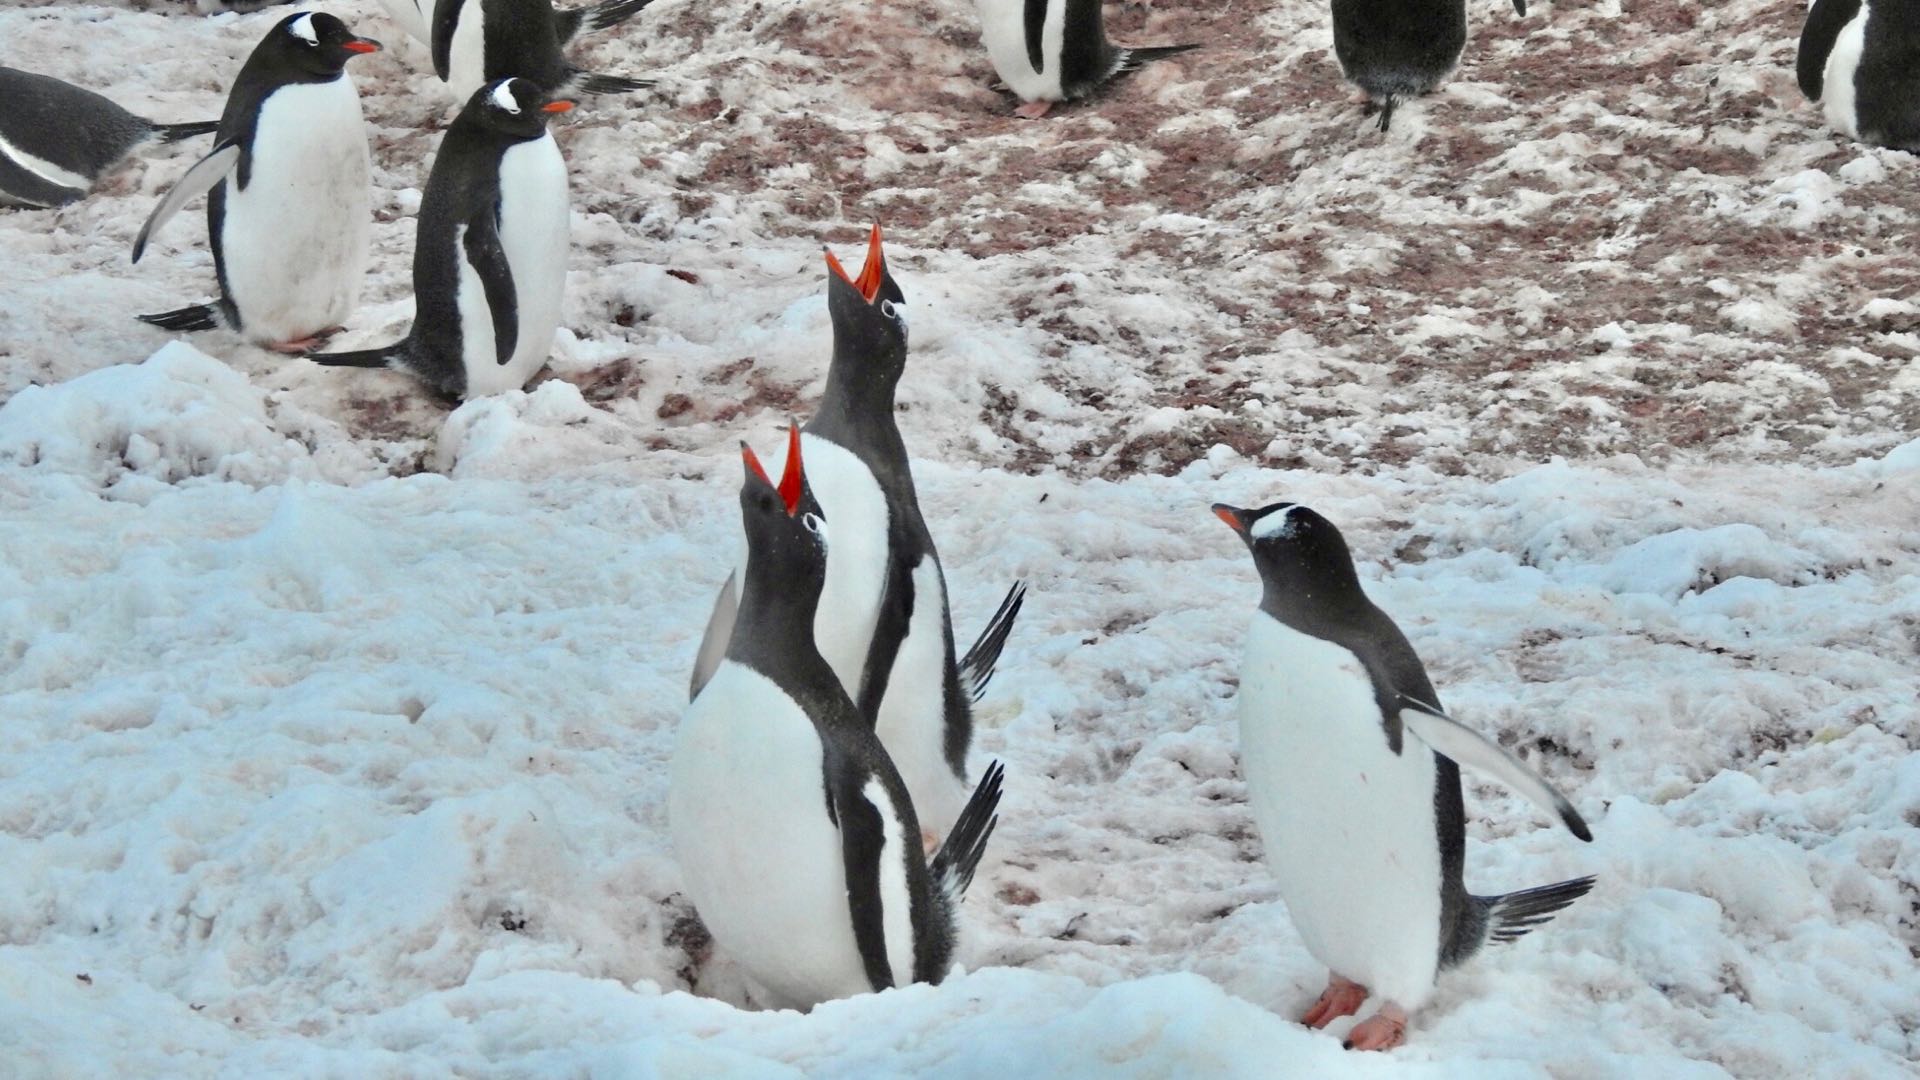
(517, 108)
(785, 527)
(868, 313)
(1299, 553)
(316, 44)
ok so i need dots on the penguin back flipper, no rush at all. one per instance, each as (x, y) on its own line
(1510, 917)
(609, 84)
(976, 668)
(194, 317)
(953, 865)
(175, 132)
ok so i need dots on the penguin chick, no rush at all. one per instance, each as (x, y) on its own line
(1048, 51)
(795, 834)
(57, 139)
(1352, 770)
(490, 257)
(289, 203)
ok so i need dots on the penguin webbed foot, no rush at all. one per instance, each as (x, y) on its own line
(929, 842)
(1033, 110)
(305, 345)
(1383, 1030)
(1342, 997)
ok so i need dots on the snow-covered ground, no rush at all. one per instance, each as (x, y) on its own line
(333, 725)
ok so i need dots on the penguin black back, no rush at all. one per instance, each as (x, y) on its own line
(71, 128)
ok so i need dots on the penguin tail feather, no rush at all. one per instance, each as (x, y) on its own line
(1511, 916)
(959, 856)
(611, 13)
(372, 358)
(175, 132)
(609, 84)
(1132, 59)
(976, 668)
(195, 317)
(1386, 118)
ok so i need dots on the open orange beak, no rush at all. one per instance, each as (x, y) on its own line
(789, 486)
(1229, 515)
(875, 268)
(557, 107)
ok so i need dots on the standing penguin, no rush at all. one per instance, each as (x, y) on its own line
(410, 16)
(1056, 50)
(490, 258)
(883, 625)
(56, 139)
(478, 41)
(1864, 59)
(290, 204)
(1394, 49)
(794, 832)
(1351, 770)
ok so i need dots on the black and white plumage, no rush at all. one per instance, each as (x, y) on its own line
(490, 256)
(1861, 60)
(1048, 51)
(414, 18)
(1397, 49)
(289, 191)
(797, 839)
(57, 139)
(884, 624)
(475, 42)
(1352, 770)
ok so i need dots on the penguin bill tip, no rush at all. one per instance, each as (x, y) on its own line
(1230, 515)
(752, 461)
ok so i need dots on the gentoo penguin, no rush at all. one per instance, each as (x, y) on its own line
(490, 258)
(290, 203)
(56, 139)
(1394, 49)
(794, 832)
(478, 41)
(1352, 771)
(412, 16)
(884, 625)
(1864, 58)
(1056, 50)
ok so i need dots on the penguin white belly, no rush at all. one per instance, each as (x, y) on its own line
(913, 714)
(761, 859)
(533, 233)
(295, 241)
(1003, 28)
(856, 512)
(1838, 96)
(467, 59)
(1349, 826)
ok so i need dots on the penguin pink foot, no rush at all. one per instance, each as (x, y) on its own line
(1033, 110)
(1342, 997)
(1383, 1030)
(929, 843)
(305, 345)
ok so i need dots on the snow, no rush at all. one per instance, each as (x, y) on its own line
(337, 721)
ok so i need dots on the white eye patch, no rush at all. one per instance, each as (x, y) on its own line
(1281, 524)
(503, 97)
(302, 28)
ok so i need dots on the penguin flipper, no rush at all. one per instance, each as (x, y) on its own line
(1448, 736)
(890, 627)
(1036, 25)
(1824, 24)
(446, 16)
(976, 668)
(713, 646)
(863, 842)
(1520, 7)
(199, 180)
(489, 260)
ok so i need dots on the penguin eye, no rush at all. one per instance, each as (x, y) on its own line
(815, 525)
(892, 311)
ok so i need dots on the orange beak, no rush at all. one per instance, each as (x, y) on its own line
(1229, 515)
(557, 107)
(362, 45)
(790, 480)
(753, 462)
(868, 284)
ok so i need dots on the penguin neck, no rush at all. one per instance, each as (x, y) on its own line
(856, 411)
(774, 629)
